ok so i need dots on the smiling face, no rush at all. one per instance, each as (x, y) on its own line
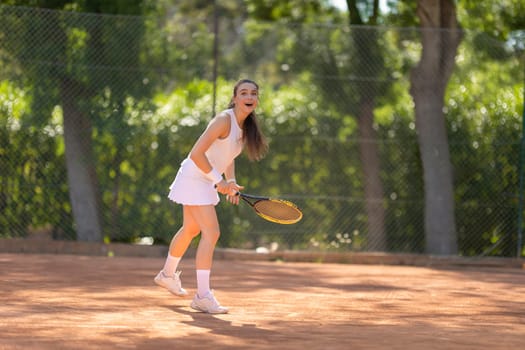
(246, 97)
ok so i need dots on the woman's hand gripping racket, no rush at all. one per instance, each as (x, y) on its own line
(275, 210)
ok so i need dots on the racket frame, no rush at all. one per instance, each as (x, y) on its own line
(252, 200)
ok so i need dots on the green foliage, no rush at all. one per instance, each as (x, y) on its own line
(298, 11)
(495, 18)
(33, 194)
(149, 96)
(485, 122)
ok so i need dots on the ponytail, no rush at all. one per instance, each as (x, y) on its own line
(252, 136)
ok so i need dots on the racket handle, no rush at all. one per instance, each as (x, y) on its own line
(237, 193)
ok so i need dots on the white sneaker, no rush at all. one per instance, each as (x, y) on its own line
(208, 304)
(173, 284)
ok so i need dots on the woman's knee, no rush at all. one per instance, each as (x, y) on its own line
(190, 231)
(211, 235)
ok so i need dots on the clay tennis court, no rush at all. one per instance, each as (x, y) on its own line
(93, 302)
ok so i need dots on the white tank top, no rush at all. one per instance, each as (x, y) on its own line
(222, 152)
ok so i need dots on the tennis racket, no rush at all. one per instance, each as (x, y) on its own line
(275, 210)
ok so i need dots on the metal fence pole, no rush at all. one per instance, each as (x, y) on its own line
(521, 171)
(215, 53)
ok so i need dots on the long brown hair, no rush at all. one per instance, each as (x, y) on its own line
(253, 138)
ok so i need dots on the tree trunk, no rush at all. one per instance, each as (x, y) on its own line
(441, 36)
(373, 185)
(115, 212)
(81, 175)
(369, 60)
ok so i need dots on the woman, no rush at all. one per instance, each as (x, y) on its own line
(197, 183)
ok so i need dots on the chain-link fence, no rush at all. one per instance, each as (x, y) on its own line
(98, 111)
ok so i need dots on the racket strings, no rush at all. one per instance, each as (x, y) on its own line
(278, 210)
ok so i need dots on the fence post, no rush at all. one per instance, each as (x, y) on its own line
(521, 184)
(215, 53)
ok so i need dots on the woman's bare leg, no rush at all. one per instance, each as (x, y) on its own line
(209, 226)
(168, 277)
(190, 228)
(206, 217)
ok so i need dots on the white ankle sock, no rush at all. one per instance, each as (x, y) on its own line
(170, 266)
(203, 283)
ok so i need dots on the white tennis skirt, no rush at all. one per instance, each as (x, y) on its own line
(192, 187)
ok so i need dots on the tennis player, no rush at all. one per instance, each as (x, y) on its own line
(198, 180)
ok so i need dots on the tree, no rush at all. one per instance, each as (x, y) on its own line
(369, 62)
(76, 46)
(441, 35)
(493, 24)
(356, 98)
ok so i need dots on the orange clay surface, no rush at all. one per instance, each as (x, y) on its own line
(81, 302)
